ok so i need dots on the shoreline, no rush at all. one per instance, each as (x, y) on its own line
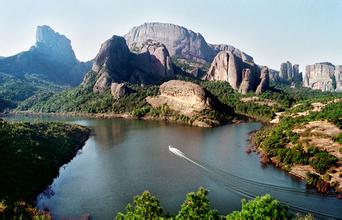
(126, 115)
(266, 160)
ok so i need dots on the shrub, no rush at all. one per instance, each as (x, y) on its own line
(260, 208)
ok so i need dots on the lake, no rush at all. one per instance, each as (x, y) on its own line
(125, 157)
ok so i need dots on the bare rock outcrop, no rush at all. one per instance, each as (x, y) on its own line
(180, 42)
(264, 80)
(289, 73)
(320, 76)
(119, 90)
(246, 81)
(154, 56)
(241, 76)
(225, 67)
(115, 63)
(186, 98)
(338, 78)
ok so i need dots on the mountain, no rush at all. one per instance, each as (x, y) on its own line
(52, 58)
(180, 42)
(241, 75)
(323, 76)
(115, 63)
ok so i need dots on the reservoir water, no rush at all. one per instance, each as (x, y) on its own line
(125, 157)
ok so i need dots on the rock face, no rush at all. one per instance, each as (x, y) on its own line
(289, 73)
(116, 63)
(179, 41)
(154, 56)
(264, 81)
(246, 81)
(242, 76)
(118, 90)
(186, 98)
(321, 76)
(52, 58)
(338, 78)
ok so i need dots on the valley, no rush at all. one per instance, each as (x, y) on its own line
(176, 89)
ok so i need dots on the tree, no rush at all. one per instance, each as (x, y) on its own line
(260, 208)
(197, 206)
(145, 206)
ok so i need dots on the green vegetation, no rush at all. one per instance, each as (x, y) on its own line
(273, 141)
(31, 155)
(144, 206)
(260, 208)
(14, 90)
(197, 206)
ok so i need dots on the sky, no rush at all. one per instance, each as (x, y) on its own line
(272, 31)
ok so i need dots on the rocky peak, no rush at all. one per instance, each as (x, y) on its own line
(113, 55)
(246, 81)
(53, 43)
(225, 67)
(289, 73)
(180, 42)
(147, 64)
(323, 76)
(156, 57)
(264, 80)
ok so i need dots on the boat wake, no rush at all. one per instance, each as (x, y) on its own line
(301, 200)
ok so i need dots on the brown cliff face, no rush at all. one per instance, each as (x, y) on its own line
(183, 97)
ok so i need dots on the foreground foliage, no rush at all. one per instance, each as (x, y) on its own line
(197, 206)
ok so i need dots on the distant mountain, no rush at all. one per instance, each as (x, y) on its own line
(180, 42)
(52, 58)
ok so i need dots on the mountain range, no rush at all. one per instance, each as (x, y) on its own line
(155, 52)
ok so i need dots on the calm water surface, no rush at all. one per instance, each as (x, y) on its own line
(125, 157)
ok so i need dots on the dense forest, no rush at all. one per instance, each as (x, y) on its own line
(14, 90)
(30, 157)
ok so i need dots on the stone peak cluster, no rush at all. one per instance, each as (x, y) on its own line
(145, 55)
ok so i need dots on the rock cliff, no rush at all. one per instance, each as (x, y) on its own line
(322, 76)
(148, 64)
(264, 81)
(242, 76)
(52, 58)
(180, 42)
(186, 98)
(289, 73)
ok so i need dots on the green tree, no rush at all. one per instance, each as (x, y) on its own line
(145, 206)
(197, 206)
(260, 208)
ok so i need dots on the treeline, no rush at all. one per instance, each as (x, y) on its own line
(197, 206)
(31, 155)
(83, 99)
(14, 90)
